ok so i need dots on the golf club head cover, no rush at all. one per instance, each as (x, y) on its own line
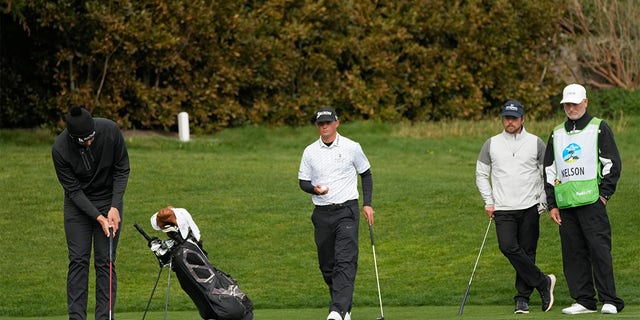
(166, 217)
(172, 219)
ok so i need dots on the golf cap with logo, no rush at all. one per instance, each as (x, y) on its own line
(325, 114)
(573, 93)
(512, 108)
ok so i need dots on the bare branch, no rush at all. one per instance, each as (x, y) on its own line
(606, 42)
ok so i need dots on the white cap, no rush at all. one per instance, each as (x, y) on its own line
(573, 93)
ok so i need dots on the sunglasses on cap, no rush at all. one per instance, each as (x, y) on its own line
(84, 139)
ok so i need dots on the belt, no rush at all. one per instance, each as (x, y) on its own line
(337, 206)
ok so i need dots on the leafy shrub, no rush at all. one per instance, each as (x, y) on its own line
(232, 63)
(611, 103)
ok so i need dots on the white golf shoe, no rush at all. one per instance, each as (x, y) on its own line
(577, 308)
(347, 316)
(334, 315)
(608, 308)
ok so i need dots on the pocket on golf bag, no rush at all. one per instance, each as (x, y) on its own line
(215, 293)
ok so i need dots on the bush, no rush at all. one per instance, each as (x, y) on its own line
(613, 103)
(234, 63)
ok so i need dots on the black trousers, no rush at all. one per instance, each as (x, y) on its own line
(586, 255)
(82, 232)
(336, 238)
(518, 232)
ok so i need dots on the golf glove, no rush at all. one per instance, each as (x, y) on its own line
(542, 208)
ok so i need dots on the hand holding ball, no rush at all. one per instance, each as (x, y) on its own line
(323, 189)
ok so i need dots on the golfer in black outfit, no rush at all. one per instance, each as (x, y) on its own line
(329, 171)
(92, 164)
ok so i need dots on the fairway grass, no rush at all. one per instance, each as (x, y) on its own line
(498, 312)
(240, 185)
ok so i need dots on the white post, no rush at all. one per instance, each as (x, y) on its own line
(183, 126)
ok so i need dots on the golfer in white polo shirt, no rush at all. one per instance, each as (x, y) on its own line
(329, 171)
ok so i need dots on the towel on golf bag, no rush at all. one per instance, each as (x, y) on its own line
(169, 217)
(215, 293)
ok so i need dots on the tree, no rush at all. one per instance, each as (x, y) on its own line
(606, 42)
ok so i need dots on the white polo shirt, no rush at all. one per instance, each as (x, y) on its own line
(336, 166)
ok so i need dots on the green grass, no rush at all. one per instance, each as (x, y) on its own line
(241, 187)
(473, 312)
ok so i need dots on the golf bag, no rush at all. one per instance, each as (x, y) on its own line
(215, 293)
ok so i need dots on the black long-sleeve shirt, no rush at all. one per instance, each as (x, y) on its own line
(94, 173)
(607, 149)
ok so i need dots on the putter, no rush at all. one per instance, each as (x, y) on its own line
(375, 264)
(466, 293)
(110, 273)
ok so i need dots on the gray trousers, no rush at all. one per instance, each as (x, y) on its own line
(336, 237)
(81, 232)
(585, 234)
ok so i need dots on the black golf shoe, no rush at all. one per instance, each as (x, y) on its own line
(522, 307)
(546, 294)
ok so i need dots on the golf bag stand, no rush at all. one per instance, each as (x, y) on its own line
(160, 250)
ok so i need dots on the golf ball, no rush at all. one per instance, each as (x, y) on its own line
(323, 188)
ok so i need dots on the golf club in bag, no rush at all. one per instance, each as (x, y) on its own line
(215, 293)
(466, 293)
(375, 264)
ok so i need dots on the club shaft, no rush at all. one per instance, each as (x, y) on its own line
(375, 264)
(144, 234)
(110, 273)
(466, 293)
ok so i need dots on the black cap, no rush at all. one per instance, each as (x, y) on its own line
(512, 108)
(80, 123)
(325, 114)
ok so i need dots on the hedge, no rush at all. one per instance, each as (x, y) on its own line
(233, 63)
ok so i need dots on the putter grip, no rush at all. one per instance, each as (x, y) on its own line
(144, 234)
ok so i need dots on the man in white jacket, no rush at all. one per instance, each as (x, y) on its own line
(509, 178)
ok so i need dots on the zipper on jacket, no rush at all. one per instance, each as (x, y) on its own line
(84, 152)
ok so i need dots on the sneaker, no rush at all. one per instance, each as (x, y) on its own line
(522, 307)
(577, 308)
(347, 316)
(547, 294)
(334, 315)
(608, 308)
